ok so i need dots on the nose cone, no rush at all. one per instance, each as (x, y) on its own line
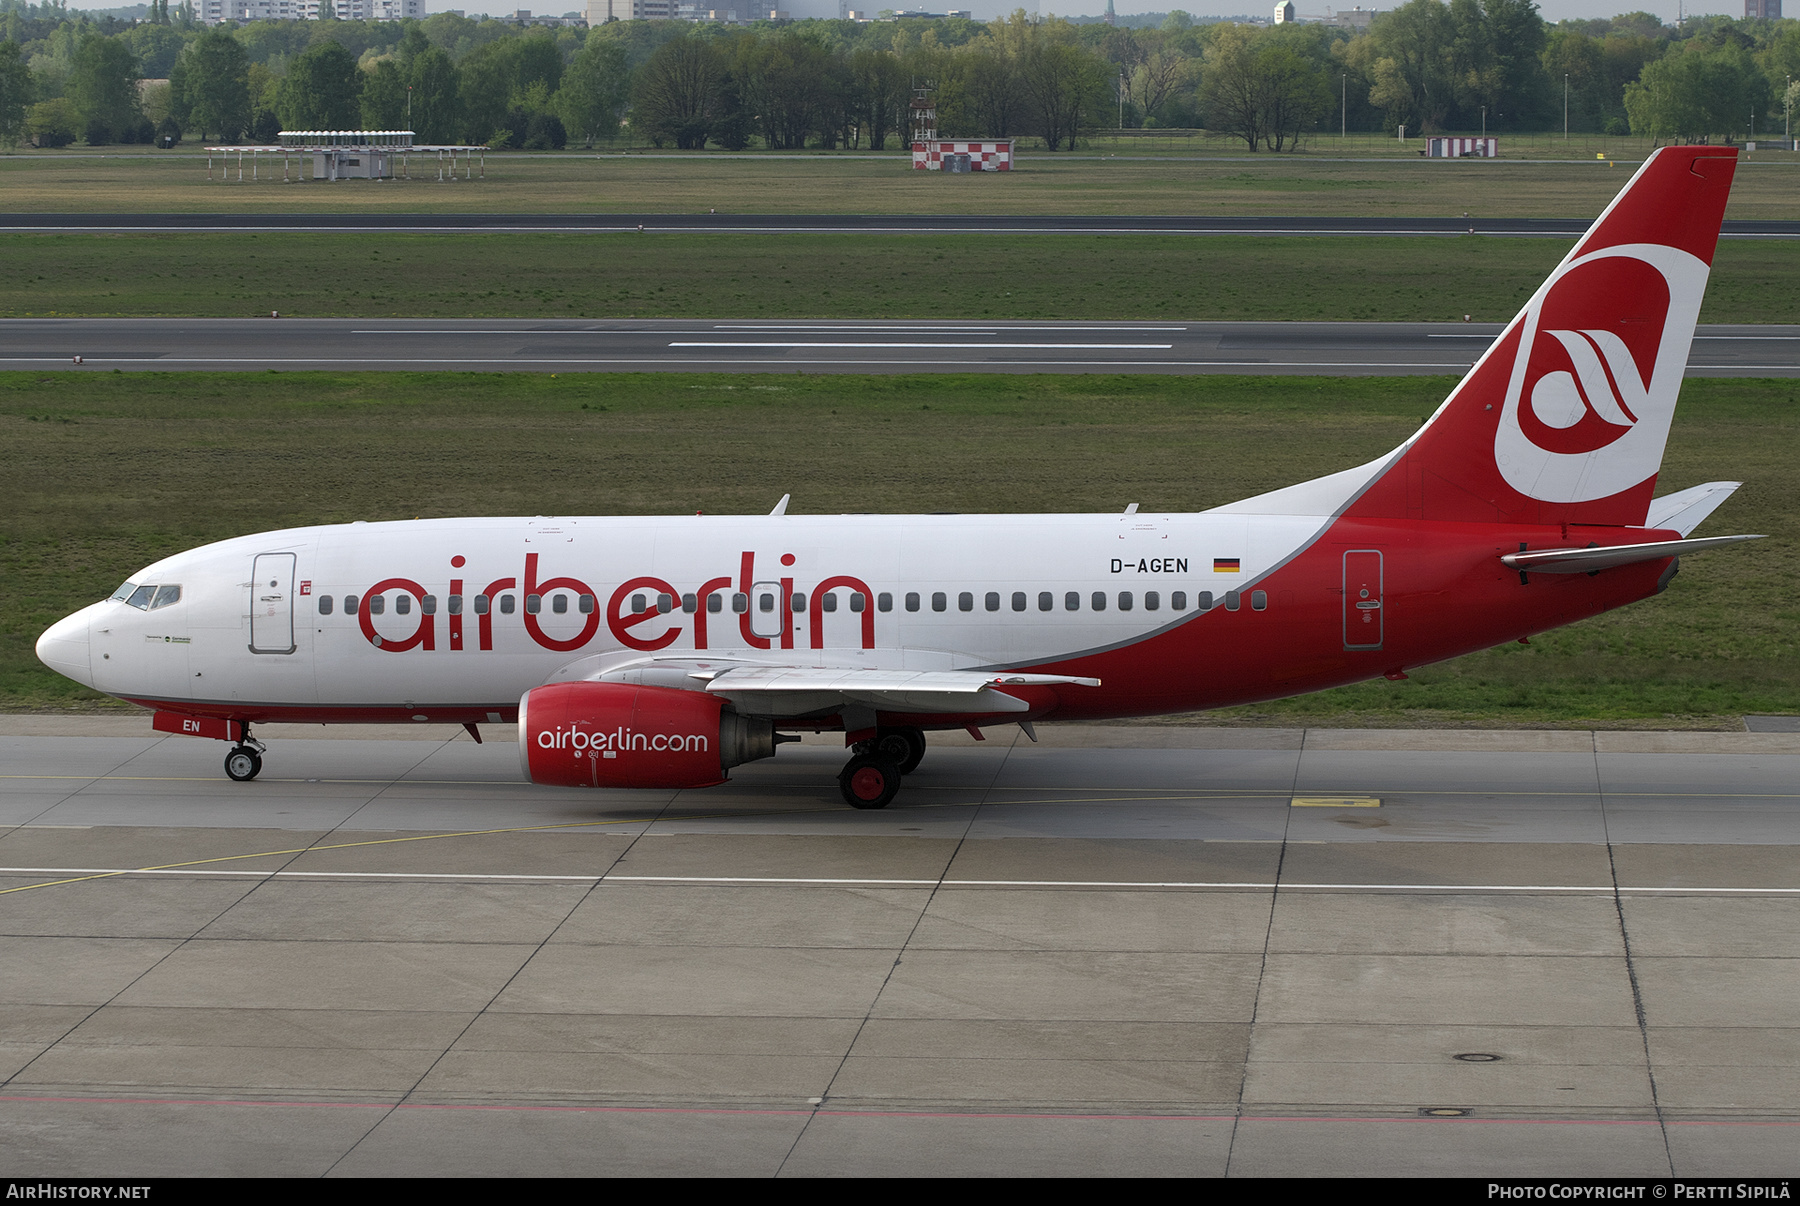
(64, 648)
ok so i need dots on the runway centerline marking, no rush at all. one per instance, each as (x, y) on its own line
(1053, 347)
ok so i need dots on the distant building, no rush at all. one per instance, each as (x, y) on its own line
(1285, 13)
(1357, 18)
(1768, 10)
(217, 12)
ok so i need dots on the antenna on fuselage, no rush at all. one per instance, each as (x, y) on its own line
(781, 507)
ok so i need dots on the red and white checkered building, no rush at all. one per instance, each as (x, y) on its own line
(1440, 147)
(991, 156)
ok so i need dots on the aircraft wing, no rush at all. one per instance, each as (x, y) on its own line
(767, 688)
(793, 690)
(1587, 561)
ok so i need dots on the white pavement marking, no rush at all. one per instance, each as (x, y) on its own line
(935, 347)
(825, 881)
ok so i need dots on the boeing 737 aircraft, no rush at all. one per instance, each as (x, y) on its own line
(660, 652)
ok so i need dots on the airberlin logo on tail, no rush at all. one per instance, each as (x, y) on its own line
(1599, 364)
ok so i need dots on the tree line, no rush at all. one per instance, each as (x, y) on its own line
(1427, 65)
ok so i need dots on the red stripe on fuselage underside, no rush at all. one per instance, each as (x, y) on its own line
(310, 714)
(1445, 593)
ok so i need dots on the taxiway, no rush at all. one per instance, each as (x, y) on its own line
(1125, 950)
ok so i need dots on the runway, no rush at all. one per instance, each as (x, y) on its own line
(439, 223)
(1129, 951)
(682, 345)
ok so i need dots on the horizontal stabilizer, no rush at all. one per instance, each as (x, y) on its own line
(1687, 509)
(1587, 561)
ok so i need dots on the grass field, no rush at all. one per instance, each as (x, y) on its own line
(107, 472)
(175, 182)
(826, 276)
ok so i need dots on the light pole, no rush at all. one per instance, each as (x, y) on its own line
(1565, 106)
(1121, 98)
(1344, 105)
(1484, 121)
(1787, 114)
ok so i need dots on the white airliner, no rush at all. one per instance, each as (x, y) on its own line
(660, 652)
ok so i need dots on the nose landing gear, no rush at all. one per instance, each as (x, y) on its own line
(871, 778)
(244, 762)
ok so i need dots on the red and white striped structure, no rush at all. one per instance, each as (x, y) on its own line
(992, 156)
(1439, 147)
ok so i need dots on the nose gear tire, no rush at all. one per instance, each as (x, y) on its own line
(242, 764)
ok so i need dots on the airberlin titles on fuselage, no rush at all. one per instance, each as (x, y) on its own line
(630, 610)
(642, 601)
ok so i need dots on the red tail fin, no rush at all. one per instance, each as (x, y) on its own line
(1564, 419)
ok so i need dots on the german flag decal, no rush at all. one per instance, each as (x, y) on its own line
(1225, 565)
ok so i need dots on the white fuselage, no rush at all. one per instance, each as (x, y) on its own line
(940, 592)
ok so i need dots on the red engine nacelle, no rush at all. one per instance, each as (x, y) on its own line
(618, 735)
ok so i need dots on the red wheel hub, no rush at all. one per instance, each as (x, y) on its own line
(868, 783)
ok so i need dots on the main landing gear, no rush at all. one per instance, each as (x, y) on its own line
(244, 762)
(872, 776)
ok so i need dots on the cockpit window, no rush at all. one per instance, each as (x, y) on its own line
(166, 595)
(124, 592)
(140, 598)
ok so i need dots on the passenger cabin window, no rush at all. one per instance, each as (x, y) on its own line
(885, 602)
(1178, 600)
(828, 601)
(715, 603)
(427, 604)
(166, 595)
(507, 604)
(481, 605)
(689, 604)
(858, 601)
(324, 605)
(798, 602)
(991, 600)
(350, 604)
(585, 604)
(1259, 600)
(1232, 599)
(1152, 600)
(403, 604)
(1099, 600)
(665, 604)
(1018, 600)
(639, 605)
(378, 604)
(535, 603)
(1072, 601)
(1204, 600)
(1124, 600)
(740, 603)
(939, 600)
(1046, 600)
(912, 600)
(965, 600)
(559, 604)
(453, 604)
